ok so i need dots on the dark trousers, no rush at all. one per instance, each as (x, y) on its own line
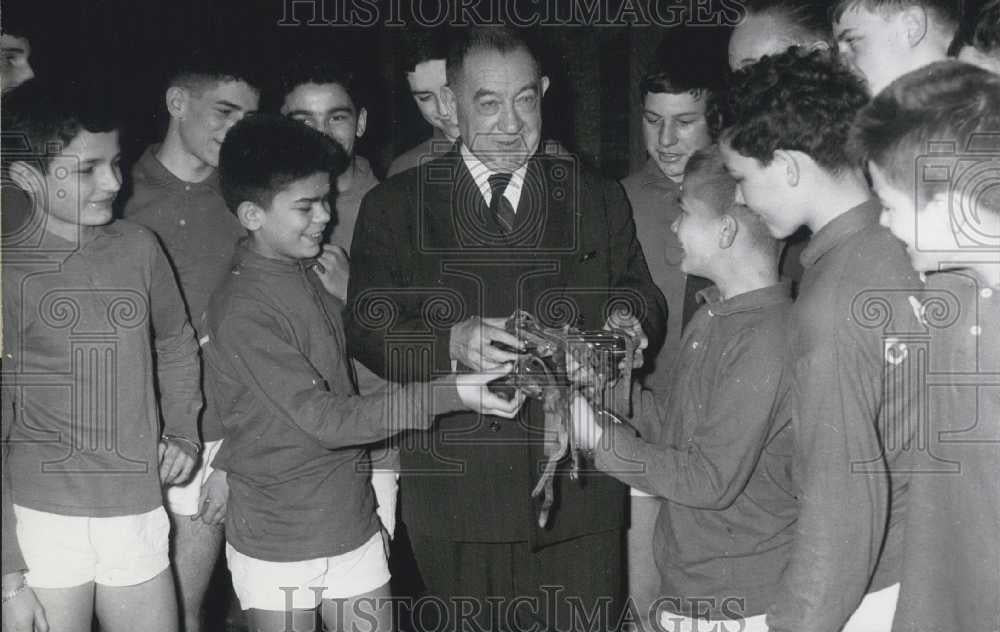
(576, 585)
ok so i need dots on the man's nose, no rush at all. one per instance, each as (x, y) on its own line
(510, 121)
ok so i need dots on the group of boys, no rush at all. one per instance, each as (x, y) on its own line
(816, 445)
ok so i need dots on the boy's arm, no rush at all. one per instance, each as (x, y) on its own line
(178, 370)
(843, 491)
(13, 560)
(258, 345)
(712, 469)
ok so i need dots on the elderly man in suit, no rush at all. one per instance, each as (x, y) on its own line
(442, 254)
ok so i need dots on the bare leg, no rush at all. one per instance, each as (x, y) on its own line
(194, 551)
(68, 609)
(282, 620)
(369, 612)
(150, 606)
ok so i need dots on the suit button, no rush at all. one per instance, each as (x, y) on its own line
(495, 426)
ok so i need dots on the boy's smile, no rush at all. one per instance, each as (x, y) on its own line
(292, 227)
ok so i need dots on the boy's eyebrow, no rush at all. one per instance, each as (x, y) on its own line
(229, 104)
(12, 49)
(314, 198)
(847, 31)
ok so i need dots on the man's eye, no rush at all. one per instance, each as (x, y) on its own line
(527, 100)
(338, 118)
(424, 98)
(652, 120)
(489, 106)
(86, 170)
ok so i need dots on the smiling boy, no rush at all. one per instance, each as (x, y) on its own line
(787, 149)
(301, 528)
(88, 304)
(175, 193)
(717, 455)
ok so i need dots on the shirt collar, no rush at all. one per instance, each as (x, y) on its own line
(748, 301)
(246, 257)
(840, 229)
(481, 175)
(154, 171)
(651, 173)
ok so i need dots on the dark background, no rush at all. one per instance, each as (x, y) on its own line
(127, 49)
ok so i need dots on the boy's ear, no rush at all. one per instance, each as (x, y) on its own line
(728, 229)
(914, 20)
(362, 122)
(250, 214)
(177, 99)
(789, 165)
(26, 177)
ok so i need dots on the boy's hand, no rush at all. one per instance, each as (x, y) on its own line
(334, 270)
(23, 613)
(473, 390)
(213, 499)
(177, 460)
(588, 432)
(621, 320)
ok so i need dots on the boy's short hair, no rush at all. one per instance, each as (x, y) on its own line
(945, 13)
(421, 45)
(706, 178)
(983, 33)
(808, 19)
(40, 118)
(264, 153)
(321, 74)
(678, 67)
(794, 100)
(947, 103)
(201, 68)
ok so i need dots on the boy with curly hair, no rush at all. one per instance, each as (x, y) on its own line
(787, 150)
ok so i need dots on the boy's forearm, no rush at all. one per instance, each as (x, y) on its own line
(179, 378)
(13, 560)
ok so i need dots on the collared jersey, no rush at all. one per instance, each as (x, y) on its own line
(951, 556)
(855, 397)
(295, 428)
(719, 452)
(81, 415)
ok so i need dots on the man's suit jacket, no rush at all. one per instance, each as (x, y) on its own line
(427, 254)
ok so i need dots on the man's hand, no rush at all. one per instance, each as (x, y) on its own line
(472, 389)
(334, 270)
(23, 613)
(213, 499)
(471, 339)
(177, 460)
(621, 320)
(587, 430)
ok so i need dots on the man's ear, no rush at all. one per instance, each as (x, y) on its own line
(251, 215)
(362, 122)
(28, 178)
(177, 101)
(545, 84)
(789, 164)
(728, 229)
(914, 21)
